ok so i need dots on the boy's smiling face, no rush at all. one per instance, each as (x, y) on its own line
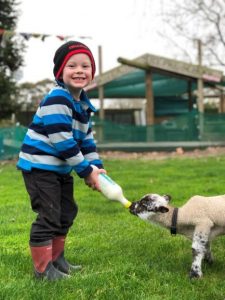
(77, 73)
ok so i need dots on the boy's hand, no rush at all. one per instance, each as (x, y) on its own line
(92, 179)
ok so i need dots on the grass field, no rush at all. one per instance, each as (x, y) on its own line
(122, 256)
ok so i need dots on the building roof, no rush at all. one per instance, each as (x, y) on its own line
(170, 78)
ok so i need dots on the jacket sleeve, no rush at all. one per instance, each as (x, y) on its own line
(89, 149)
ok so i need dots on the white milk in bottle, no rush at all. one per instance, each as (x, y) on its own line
(111, 190)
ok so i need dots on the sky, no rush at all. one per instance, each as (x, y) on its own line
(123, 28)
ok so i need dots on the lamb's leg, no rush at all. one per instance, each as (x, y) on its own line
(208, 255)
(199, 249)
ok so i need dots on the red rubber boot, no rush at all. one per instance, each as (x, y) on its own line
(58, 259)
(42, 259)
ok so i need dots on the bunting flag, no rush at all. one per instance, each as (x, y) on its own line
(6, 34)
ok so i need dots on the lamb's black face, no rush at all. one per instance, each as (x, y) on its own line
(150, 203)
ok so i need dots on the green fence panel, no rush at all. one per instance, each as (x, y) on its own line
(187, 127)
(179, 128)
(10, 141)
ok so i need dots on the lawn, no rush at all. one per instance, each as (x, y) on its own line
(122, 256)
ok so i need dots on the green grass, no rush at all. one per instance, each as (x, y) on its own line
(123, 257)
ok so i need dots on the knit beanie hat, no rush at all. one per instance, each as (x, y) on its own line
(64, 52)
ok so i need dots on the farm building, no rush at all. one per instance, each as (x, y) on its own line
(173, 93)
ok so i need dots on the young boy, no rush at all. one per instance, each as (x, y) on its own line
(58, 141)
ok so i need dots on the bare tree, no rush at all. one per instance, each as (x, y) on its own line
(192, 20)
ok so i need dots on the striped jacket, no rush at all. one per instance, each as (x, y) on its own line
(60, 137)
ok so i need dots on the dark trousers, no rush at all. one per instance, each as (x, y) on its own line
(51, 196)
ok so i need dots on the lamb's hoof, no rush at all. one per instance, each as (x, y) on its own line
(194, 275)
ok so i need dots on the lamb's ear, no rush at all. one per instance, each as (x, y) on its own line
(163, 209)
(167, 197)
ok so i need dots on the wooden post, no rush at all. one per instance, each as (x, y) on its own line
(149, 105)
(222, 103)
(100, 88)
(100, 136)
(200, 80)
(200, 93)
(149, 98)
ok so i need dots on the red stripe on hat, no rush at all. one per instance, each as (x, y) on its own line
(71, 53)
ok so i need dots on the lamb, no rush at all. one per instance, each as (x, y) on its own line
(200, 219)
